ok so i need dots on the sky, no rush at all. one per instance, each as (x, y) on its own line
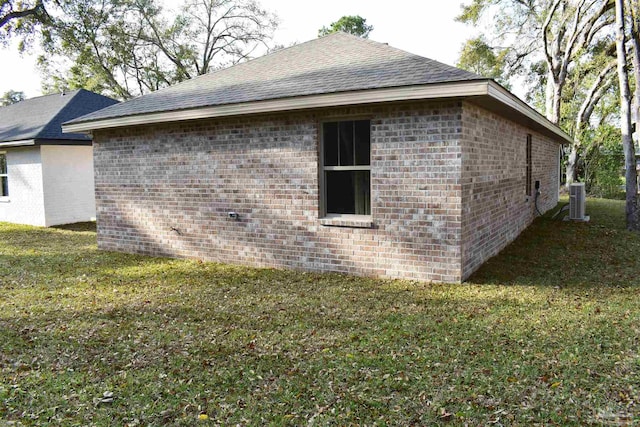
(423, 27)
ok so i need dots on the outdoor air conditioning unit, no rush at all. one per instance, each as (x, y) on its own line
(577, 200)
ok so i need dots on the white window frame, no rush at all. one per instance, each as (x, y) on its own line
(5, 175)
(322, 169)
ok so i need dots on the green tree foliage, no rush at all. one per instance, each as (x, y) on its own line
(355, 25)
(12, 97)
(512, 29)
(603, 160)
(21, 17)
(125, 48)
(556, 33)
(92, 45)
(564, 51)
(480, 58)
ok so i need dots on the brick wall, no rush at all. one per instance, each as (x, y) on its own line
(166, 190)
(448, 190)
(495, 206)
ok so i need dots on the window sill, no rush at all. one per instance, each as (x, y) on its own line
(4, 200)
(353, 221)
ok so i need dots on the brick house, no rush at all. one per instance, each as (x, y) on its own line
(339, 154)
(46, 177)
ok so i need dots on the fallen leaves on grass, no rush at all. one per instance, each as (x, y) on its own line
(539, 335)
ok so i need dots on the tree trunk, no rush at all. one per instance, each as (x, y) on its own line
(634, 8)
(557, 101)
(548, 106)
(593, 97)
(554, 99)
(633, 222)
(572, 162)
(568, 29)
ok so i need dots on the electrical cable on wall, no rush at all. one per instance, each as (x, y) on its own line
(536, 203)
(535, 199)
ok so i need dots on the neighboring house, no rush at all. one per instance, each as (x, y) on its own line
(339, 154)
(46, 176)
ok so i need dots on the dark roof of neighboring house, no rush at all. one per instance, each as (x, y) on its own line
(335, 63)
(41, 118)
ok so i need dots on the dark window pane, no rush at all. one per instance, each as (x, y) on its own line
(4, 186)
(339, 192)
(346, 144)
(529, 167)
(362, 192)
(330, 140)
(3, 163)
(363, 142)
(348, 192)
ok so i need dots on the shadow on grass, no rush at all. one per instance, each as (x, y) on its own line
(160, 333)
(551, 252)
(559, 253)
(78, 226)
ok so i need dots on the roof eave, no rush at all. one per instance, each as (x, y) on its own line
(370, 96)
(463, 89)
(511, 101)
(65, 141)
(44, 141)
(20, 143)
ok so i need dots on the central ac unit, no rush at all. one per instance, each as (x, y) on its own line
(577, 201)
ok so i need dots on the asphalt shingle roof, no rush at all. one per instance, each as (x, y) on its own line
(335, 63)
(41, 118)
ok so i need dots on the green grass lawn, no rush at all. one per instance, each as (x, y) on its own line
(546, 333)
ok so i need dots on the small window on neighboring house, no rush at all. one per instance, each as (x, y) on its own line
(4, 184)
(346, 168)
(529, 166)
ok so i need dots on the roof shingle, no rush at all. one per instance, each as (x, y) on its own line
(335, 63)
(41, 118)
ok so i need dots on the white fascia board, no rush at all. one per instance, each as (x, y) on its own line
(371, 96)
(507, 98)
(22, 143)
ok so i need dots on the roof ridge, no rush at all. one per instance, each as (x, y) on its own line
(261, 58)
(337, 62)
(269, 55)
(239, 64)
(41, 117)
(296, 45)
(412, 55)
(49, 95)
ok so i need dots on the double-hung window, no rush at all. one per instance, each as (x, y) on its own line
(346, 167)
(4, 184)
